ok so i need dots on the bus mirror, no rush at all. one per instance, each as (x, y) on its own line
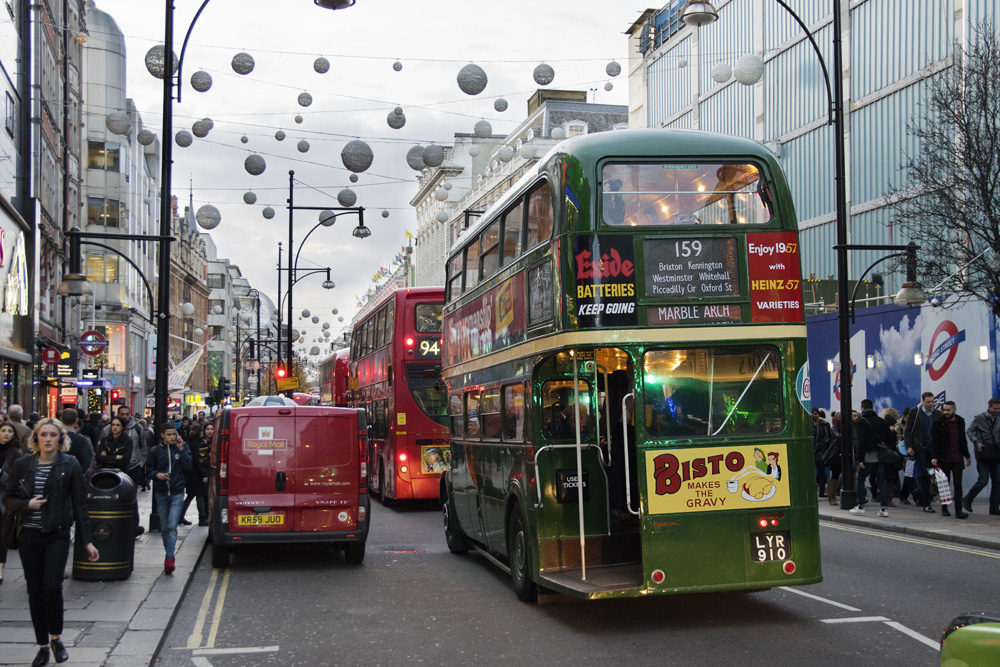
(440, 385)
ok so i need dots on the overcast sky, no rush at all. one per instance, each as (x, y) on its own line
(432, 39)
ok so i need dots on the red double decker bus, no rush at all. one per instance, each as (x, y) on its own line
(395, 376)
(333, 374)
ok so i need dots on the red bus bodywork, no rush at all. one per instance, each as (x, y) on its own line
(333, 373)
(395, 376)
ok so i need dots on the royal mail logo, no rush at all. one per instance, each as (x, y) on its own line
(944, 343)
(257, 445)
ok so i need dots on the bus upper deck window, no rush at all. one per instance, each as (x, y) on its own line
(663, 194)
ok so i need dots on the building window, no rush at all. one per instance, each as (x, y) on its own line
(216, 332)
(576, 128)
(9, 113)
(102, 269)
(104, 212)
(212, 303)
(103, 156)
(216, 281)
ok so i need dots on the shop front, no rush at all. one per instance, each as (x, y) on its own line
(16, 321)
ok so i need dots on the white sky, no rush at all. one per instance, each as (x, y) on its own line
(432, 39)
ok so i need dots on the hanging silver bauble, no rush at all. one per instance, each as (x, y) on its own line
(385, 214)
(315, 319)
(279, 135)
(397, 66)
(353, 178)
(268, 212)
(321, 65)
(357, 156)
(250, 197)
(347, 197)
(528, 151)
(296, 333)
(327, 218)
(201, 81)
(216, 310)
(447, 185)
(682, 63)
(483, 129)
(326, 334)
(243, 63)
(472, 79)
(183, 138)
(305, 313)
(145, 137)
(303, 146)
(244, 139)
(208, 123)
(500, 104)
(442, 216)
(441, 194)
(505, 154)
(255, 165)
(155, 58)
(474, 150)
(118, 122)
(208, 217)
(305, 99)
(187, 309)
(613, 68)
(721, 72)
(433, 156)
(199, 129)
(556, 133)
(543, 74)
(298, 120)
(749, 69)
(326, 325)
(415, 158)
(395, 120)
(340, 319)
(609, 86)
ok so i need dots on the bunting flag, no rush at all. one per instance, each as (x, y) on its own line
(409, 235)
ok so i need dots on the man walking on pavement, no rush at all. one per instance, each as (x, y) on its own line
(15, 415)
(166, 466)
(872, 432)
(984, 432)
(917, 436)
(80, 445)
(950, 447)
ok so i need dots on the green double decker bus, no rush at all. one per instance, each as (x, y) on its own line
(625, 358)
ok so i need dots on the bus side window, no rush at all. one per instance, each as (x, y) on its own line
(472, 427)
(390, 314)
(379, 328)
(513, 413)
(489, 408)
(539, 216)
(472, 265)
(457, 416)
(513, 222)
(489, 250)
(454, 276)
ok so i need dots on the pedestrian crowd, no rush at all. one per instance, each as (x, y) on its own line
(45, 464)
(915, 458)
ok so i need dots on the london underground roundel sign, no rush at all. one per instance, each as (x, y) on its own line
(92, 343)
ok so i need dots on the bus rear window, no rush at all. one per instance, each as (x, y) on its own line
(696, 393)
(428, 317)
(666, 194)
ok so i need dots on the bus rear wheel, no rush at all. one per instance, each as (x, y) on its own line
(456, 543)
(519, 555)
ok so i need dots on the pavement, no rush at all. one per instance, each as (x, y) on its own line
(122, 623)
(113, 623)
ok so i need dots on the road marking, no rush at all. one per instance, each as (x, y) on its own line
(231, 651)
(913, 633)
(855, 619)
(816, 597)
(217, 616)
(194, 640)
(201, 662)
(913, 540)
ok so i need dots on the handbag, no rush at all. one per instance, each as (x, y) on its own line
(13, 521)
(832, 455)
(944, 489)
(889, 457)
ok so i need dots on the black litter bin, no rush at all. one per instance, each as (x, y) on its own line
(110, 503)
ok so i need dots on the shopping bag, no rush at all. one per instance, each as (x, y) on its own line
(911, 468)
(944, 489)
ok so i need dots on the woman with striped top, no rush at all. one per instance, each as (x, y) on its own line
(47, 486)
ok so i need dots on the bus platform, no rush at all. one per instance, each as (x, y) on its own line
(107, 623)
(980, 530)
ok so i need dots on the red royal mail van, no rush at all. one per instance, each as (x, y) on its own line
(288, 474)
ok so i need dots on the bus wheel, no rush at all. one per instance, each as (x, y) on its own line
(354, 552)
(456, 543)
(519, 555)
(386, 500)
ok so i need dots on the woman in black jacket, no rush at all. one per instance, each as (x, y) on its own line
(115, 450)
(197, 477)
(47, 487)
(10, 451)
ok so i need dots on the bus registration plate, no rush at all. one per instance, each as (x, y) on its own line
(772, 546)
(260, 520)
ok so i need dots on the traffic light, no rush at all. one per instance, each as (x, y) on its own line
(280, 372)
(114, 396)
(224, 385)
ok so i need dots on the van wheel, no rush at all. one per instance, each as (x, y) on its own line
(519, 555)
(354, 552)
(220, 556)
(456, 543)
(386, 500)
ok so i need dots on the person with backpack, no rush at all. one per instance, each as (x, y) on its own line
(872, 432)
(984, 433)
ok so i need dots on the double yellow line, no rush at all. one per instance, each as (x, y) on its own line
(195, 639)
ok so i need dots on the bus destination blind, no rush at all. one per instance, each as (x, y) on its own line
(685, 268)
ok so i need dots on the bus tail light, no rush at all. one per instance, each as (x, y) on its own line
(788, 567)
(657, 576)
(409, 341)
